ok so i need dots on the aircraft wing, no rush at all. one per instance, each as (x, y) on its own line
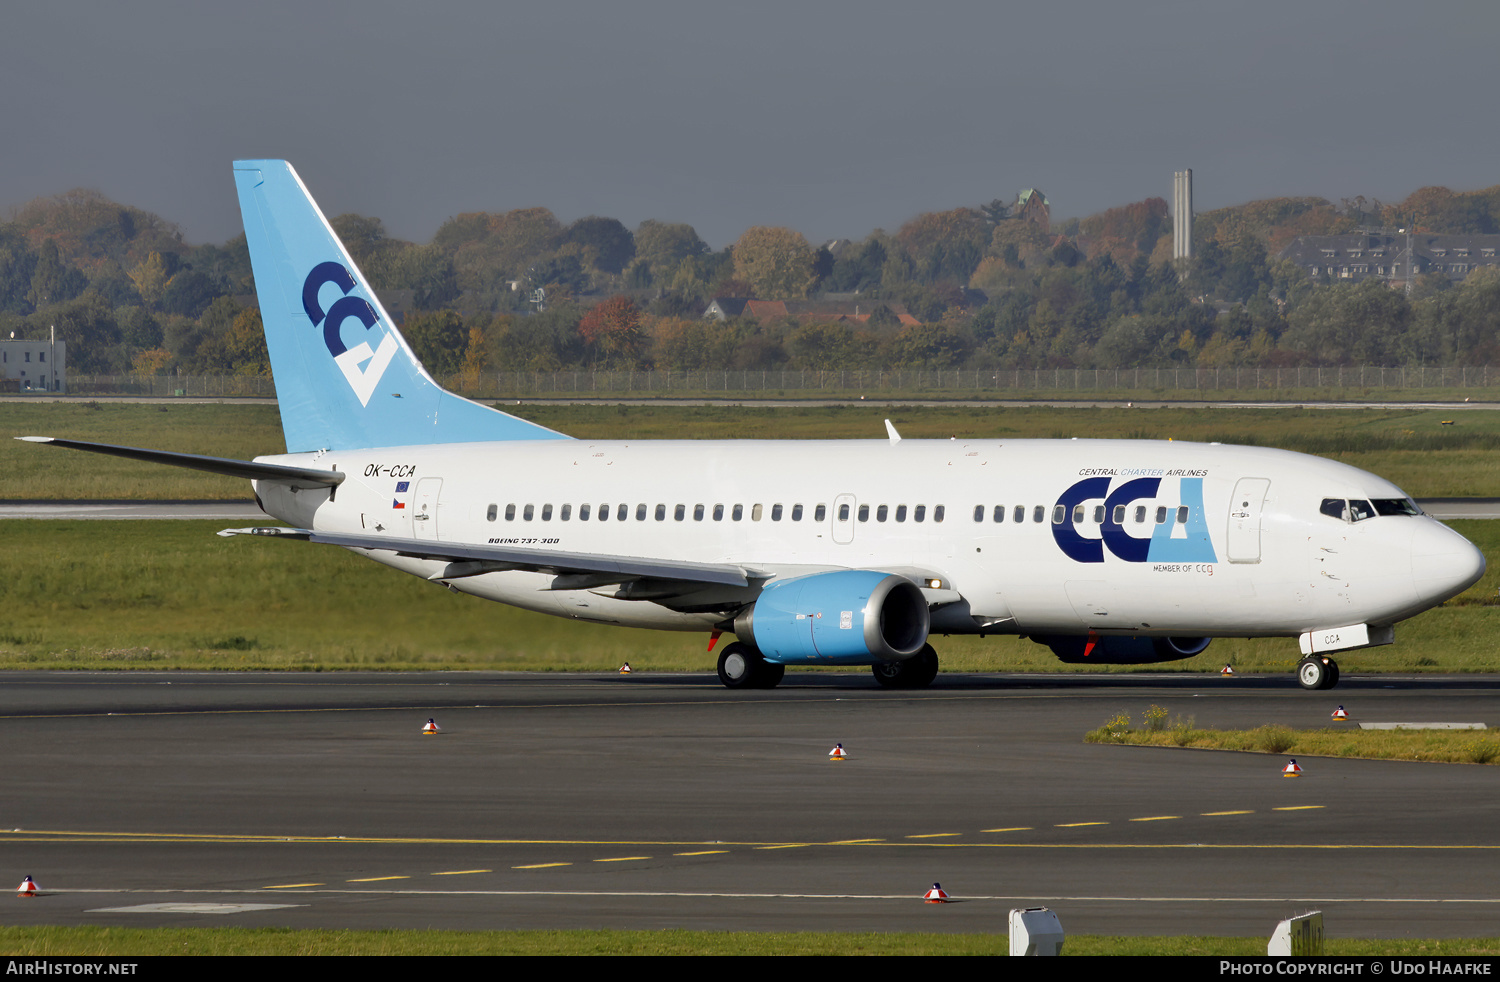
(471, 559)
(297, 477)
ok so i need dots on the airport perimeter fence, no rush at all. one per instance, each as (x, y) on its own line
(1349, 382)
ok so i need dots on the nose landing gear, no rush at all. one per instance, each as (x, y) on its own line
(1318, 672)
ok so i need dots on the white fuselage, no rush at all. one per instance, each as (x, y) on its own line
(1210, 540)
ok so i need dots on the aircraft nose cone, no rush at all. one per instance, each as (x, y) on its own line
(1443, 563)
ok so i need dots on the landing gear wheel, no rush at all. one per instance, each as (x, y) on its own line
(916, 672)
(1317, 672)
(742, 667)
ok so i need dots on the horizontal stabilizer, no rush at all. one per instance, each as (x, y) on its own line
(535, 560)
(296, 477)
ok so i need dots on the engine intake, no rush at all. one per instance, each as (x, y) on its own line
(854, 617)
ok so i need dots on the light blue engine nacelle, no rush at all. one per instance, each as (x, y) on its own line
(1112, 650)
(849, 617)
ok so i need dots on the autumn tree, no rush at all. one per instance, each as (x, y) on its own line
(946, 244)
(604, 243)
(612, 331)
(150, 278)
(777, 262)
(438, 339)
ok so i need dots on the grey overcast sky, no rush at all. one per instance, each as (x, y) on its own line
(834, 118)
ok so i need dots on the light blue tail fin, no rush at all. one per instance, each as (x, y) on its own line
(345, 378)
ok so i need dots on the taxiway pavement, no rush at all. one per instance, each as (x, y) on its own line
(656, 801)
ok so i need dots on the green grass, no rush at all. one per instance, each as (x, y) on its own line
(115, 942)
(171, 594)
(1343, 740)
(1409, 446)
(34, 472)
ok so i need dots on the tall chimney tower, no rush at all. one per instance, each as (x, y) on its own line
(1182, 214)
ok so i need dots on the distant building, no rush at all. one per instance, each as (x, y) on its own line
(812, 311)
(1383, 255)
(33, 366)
(1033, 206)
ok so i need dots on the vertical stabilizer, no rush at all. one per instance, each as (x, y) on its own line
(345, 378)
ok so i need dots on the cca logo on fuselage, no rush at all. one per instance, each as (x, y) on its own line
(349, 360)
(1165, 544)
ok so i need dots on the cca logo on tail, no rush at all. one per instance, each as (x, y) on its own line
(362, 380)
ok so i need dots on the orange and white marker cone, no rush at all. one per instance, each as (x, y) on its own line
(431, 729)
(935, 895)
(838, 752)
(1291, 769)
(625, 669)
(1339, 714)
(1227, 670)
(27, 888)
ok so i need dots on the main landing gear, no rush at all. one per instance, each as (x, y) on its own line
(742, 667)
(916, 672)
(1318, 672)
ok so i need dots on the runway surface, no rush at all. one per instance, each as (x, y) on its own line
(657, 801)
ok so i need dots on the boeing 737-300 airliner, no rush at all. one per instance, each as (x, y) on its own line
(809, 552)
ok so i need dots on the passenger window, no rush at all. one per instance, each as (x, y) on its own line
(1161, 514)
(1059, 514)
(583, 513)
(680, 513)
(775, 513)
(567, 512)
(755, 513)
(843, 513)
(882, 513)
(622, 512)
(937, 513)
(1182, 512)
(999, 513)
(919, 513)
(490, 515)
(1118, 517)
(661, 513)
(864, 513)
(718, 513)
(820, 513)
(546, 513)
(796, 513)
(900, 513)
(1039, 513)
(979, 513)
(738, 513)
(1018, 514)
(640, 513)
(1140, 514)
(510, 513)
(697, 513)
(1098, 514)
(604, 513)
(1078, 514)
(528, 512)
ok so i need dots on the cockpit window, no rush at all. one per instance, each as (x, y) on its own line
(1359, 510)
(1334, 508)
(1396, 506)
